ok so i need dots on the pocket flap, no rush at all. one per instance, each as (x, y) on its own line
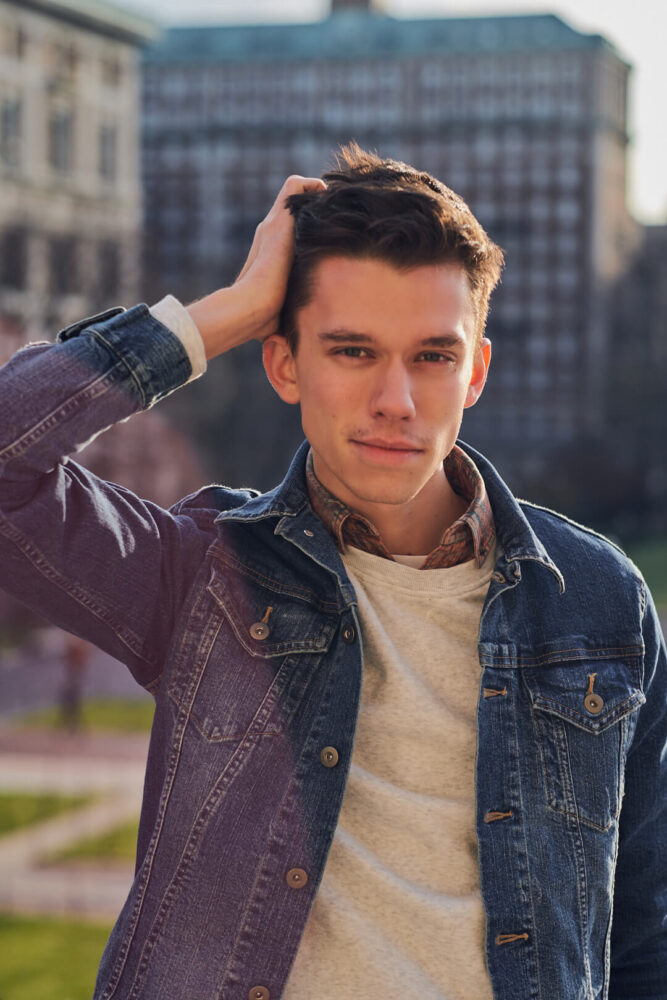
(289, 625)
(565, 690)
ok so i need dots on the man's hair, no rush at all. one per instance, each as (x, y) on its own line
(386, 210)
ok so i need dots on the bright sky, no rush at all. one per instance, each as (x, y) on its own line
(638, 30)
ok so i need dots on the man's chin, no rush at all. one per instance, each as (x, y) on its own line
(365, 484)
(391, 494)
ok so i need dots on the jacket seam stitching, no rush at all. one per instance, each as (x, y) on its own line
(90, 392)
(124, 361)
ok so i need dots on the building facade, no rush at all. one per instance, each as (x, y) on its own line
(637, 402)
(521, 115)
(70, 185)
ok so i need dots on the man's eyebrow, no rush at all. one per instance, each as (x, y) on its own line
(444, 340)
(348, 336)
(341, 336)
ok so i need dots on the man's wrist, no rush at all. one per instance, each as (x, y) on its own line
(227, 318)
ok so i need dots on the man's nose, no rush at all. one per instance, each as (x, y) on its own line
(393, 394)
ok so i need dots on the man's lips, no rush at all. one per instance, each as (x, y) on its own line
(387, 445)
(383, 452)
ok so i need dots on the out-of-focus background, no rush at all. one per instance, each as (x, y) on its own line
(139, 147)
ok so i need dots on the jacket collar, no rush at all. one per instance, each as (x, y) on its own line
(515, 533)
(285, 500)
(289, 503)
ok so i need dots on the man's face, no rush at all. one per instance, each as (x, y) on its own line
(386, 364)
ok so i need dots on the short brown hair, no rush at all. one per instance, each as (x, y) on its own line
(386, 210)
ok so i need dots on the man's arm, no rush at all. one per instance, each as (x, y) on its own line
(639, 929)
(89, 555)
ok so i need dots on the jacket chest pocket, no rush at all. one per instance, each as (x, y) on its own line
(584, 715)
(256, 653)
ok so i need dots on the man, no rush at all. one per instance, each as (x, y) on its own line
(445, 823)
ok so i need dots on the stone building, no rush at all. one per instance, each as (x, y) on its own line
(523, 116)
(70, 190)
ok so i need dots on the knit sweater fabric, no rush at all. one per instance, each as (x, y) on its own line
(399, 911)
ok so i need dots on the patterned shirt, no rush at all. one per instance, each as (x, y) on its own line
(471, 536)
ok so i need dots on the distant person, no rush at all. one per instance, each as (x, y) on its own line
(410, 732)
(76, 654)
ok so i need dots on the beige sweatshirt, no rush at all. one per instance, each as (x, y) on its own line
(399, 914)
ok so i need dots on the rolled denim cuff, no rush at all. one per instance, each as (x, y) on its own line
(170, 312)
(155, 358)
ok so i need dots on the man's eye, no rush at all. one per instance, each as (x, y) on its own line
(352, 352)
(436, 357)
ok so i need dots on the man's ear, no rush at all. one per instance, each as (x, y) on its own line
(280, 367)
(480, 369)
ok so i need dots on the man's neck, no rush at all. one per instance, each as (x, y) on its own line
(416, 528)
(411, 528)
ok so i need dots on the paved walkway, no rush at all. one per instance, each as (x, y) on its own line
(109, 767)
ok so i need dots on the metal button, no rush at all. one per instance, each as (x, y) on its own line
(348, 634)
(260, 630)
(498, 577)
(329, 756)
(296, 878)
(309, 533)
(259, 993)
(594, 703)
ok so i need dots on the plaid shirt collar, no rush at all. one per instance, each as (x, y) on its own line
(469, 537)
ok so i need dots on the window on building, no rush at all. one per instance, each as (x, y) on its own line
(108, 158)
(567, 279)
(17, 43)
(61, 134)
(63, 270)
(568, 176)
(10, 130)
(108, 270)
(64, 61)
(539, 207)
(71, 58)
(568, 211)
(14, 258)
(111, 71)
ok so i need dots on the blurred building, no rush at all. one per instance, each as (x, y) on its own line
(637, 401)
(522, 115)
(70, 190)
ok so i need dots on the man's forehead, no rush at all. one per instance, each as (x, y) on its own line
(452, 270)
(352, 292)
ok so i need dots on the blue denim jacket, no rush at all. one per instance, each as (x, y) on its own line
(571, 711)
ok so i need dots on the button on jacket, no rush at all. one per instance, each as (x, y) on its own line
(235, 611)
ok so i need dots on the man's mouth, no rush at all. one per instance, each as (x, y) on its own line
(389, 444)
(387, 449)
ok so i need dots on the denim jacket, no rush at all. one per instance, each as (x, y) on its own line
(256, 710)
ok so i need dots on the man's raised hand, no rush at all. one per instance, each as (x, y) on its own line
(250, 308)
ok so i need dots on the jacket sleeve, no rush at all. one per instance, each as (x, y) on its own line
(639, 928)
(89, 555)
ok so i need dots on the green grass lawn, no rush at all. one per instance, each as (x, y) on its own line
(119, 715)
(49, 959)
(119, 844)
(18, 809)
(651, 557)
